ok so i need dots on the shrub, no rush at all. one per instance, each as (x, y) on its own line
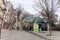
(24, 28)
(57, 28)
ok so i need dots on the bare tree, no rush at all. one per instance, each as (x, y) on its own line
(3, 9)
(47, 9)
(18, 17)
(26, 14)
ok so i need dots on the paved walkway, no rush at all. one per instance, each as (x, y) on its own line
(55, 34)
(18, 35)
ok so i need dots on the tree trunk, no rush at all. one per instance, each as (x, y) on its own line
(20, 25)
(50, 30)
(48, 26)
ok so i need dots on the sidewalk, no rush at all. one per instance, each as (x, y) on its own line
(18, 35)
(44, 34)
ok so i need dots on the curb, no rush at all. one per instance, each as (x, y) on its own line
(41, 36)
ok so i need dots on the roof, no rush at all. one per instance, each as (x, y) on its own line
(34, 19)
(29, 19)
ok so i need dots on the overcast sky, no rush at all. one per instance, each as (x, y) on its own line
(27, 4)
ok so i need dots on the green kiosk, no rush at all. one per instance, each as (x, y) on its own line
(36, 27)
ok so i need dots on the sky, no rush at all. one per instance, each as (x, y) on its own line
(27, 5)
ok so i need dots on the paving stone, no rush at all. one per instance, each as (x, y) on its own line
(18, 35)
